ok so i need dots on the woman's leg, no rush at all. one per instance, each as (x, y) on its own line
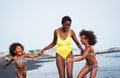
(83, 72)
(69, 67)
(93, 73)
(60, 66)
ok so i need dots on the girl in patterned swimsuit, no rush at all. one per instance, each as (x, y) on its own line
(16, 50)
(88, 39)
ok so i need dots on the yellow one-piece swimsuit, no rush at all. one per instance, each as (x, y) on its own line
(63, 46)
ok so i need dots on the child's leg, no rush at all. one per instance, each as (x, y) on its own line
(19, 74)
(93, 73)
(83, 72)
(24, 74)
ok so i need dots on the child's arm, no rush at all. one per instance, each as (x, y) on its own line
(83, 56)
(8, 63)
(32, 56)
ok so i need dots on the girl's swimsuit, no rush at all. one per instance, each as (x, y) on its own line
(92, 66)
(91, 54)
(63, 46)
(21, 71)
(19, 62)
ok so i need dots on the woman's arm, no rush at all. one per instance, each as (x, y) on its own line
(76, 41)
(8, 63)
(51, 44)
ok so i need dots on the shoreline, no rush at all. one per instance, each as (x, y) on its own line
(46, 68)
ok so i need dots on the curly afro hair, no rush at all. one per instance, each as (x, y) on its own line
(89, 35)
(13, 47)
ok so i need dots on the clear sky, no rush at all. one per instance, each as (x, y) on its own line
(32, 22)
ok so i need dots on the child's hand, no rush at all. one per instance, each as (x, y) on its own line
(41, 52)
(69, 60)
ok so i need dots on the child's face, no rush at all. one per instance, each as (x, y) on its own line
(83, 39)
(18, 50)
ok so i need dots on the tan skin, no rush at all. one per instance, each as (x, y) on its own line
(91, 60)
(19, 56)
(60, 62)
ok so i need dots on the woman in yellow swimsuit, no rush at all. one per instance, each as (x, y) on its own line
(62, 38)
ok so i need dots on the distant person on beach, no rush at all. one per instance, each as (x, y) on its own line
(16, 51)
(62, 38)
(88, 39)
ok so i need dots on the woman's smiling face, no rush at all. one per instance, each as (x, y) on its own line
(66, 25)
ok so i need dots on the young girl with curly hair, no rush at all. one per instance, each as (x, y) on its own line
(16, 51)
(88, 39)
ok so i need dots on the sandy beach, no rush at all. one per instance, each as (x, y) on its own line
(109, 67)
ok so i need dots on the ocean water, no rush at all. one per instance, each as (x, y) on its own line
(109, 67)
